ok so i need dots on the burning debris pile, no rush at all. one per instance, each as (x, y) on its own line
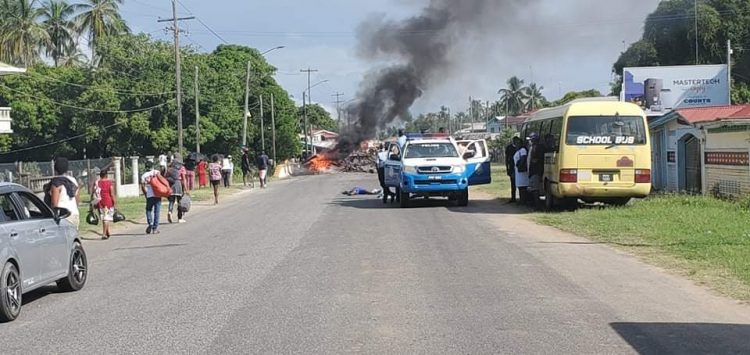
(360, 161)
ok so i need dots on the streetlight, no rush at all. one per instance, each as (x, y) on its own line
(314, 85)
(273, 49)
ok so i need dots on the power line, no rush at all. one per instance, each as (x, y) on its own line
(57, 142)
(86, 108)
(203, 23)
(128, 92)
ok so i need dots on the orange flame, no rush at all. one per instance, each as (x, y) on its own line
(319, 164)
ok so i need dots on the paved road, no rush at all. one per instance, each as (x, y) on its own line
(299, 268)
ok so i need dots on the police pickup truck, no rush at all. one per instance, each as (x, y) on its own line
(437, 166)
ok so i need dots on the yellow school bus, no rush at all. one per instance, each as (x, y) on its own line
(596, 150)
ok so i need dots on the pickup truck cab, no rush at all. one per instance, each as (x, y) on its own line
(437, 166)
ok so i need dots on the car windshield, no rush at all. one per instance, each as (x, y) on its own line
(431, 150)
(606, 130)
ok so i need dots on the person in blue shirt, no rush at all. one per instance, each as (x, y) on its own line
(357, 190)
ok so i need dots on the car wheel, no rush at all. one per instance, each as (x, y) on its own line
(10, 286)
(77, 271)
(463, 198)
(404, 199)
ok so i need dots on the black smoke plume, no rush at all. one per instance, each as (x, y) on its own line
(420, 46)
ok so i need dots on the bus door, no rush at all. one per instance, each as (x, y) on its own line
(478, 167)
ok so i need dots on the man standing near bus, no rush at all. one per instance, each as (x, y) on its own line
(536, 167)
(510, 165)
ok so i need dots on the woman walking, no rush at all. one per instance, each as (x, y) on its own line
(176, 177)
(106, 191)
(214, 172)
(202, 174)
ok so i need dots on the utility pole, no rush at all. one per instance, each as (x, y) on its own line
(178, 70)
(247, 108)
(197, 114)
(273, 128)
(309, 71)
(729, 68)
(696, 32)
(338, 102)
(262, 129)
(304, 122)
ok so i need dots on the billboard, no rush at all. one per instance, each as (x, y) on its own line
(660, 90)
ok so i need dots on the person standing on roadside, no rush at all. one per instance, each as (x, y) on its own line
(510, 165)
(214, 174)
(401, 139)
(536, 167)
(227, 169)
(520, 162)
(202, 173)
(63, 192)
(106, 189)
(153, 203)
(262, 163)
(245, 165)
(176, 176)
(190, 166)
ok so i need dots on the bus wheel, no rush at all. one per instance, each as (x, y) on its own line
(570, 203)
(549, 198)
(620, 201)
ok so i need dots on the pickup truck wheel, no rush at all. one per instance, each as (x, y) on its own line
(463, 198)
(404, 199)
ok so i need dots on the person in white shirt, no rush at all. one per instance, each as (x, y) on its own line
(520, 160)
(401, 138)
(153, 203)
(63, 191)
(227, 169)
(382, 158)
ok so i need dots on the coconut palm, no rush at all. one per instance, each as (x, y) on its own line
(75, 58)
(513, 98)
(98, 19)
(57, 16)
(22, 35)
(534, 97)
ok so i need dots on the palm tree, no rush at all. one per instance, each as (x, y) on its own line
(534, 97)
(57, 16)
(75, 58)
(22, 35)
(514, 96)
(98, 19)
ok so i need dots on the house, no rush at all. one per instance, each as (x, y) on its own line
(513, 122)
(496, 125)
(324, 140)
(5, 118)
(702, 150)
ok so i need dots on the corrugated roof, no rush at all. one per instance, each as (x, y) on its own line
(708, 114)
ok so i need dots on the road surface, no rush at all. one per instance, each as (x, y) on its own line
(299, 268)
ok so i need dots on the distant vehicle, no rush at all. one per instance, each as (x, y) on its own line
(597, 150)
(38, 246)
(437, 166)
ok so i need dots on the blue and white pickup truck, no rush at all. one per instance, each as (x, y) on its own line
(437, 166)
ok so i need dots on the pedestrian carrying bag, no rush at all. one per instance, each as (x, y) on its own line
(184, 205)
(522, 164)
(91, 217)
(160, 186)
(118, 216)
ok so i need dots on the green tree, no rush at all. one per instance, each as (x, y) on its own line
(21, 33)
(318, 117)
(99, 19)
(57, 20)
(570, 96)
(513, 98)
(534, 98)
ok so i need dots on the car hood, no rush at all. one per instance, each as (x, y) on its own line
(434, 162)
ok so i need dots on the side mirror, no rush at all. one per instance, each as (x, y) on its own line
(394, 157)
(469, 154)
(60, 214)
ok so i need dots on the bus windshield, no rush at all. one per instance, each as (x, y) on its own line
(606, 130)
(431, 150)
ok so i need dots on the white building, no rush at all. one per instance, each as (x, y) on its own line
(5, 118)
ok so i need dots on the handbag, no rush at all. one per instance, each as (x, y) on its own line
(91, 217)
(184, 205)
(118, 216)
(160, 186)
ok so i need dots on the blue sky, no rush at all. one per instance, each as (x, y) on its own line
(563, 45)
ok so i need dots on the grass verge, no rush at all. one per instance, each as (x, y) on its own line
(500, 186)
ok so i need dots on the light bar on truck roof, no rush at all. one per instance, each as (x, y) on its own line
(426, 136)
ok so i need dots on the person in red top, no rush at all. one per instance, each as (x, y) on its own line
(105, 188)
(202, 174)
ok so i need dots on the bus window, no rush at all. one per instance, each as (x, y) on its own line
(555, 134)
(606, 130)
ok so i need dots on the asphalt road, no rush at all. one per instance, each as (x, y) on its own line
(299, 268)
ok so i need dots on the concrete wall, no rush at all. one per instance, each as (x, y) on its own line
(727, 163)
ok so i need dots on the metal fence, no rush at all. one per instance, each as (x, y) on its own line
(34, 175)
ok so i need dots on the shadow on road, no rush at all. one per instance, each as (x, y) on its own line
(37, 294)
(497, 206)
(685, 338)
